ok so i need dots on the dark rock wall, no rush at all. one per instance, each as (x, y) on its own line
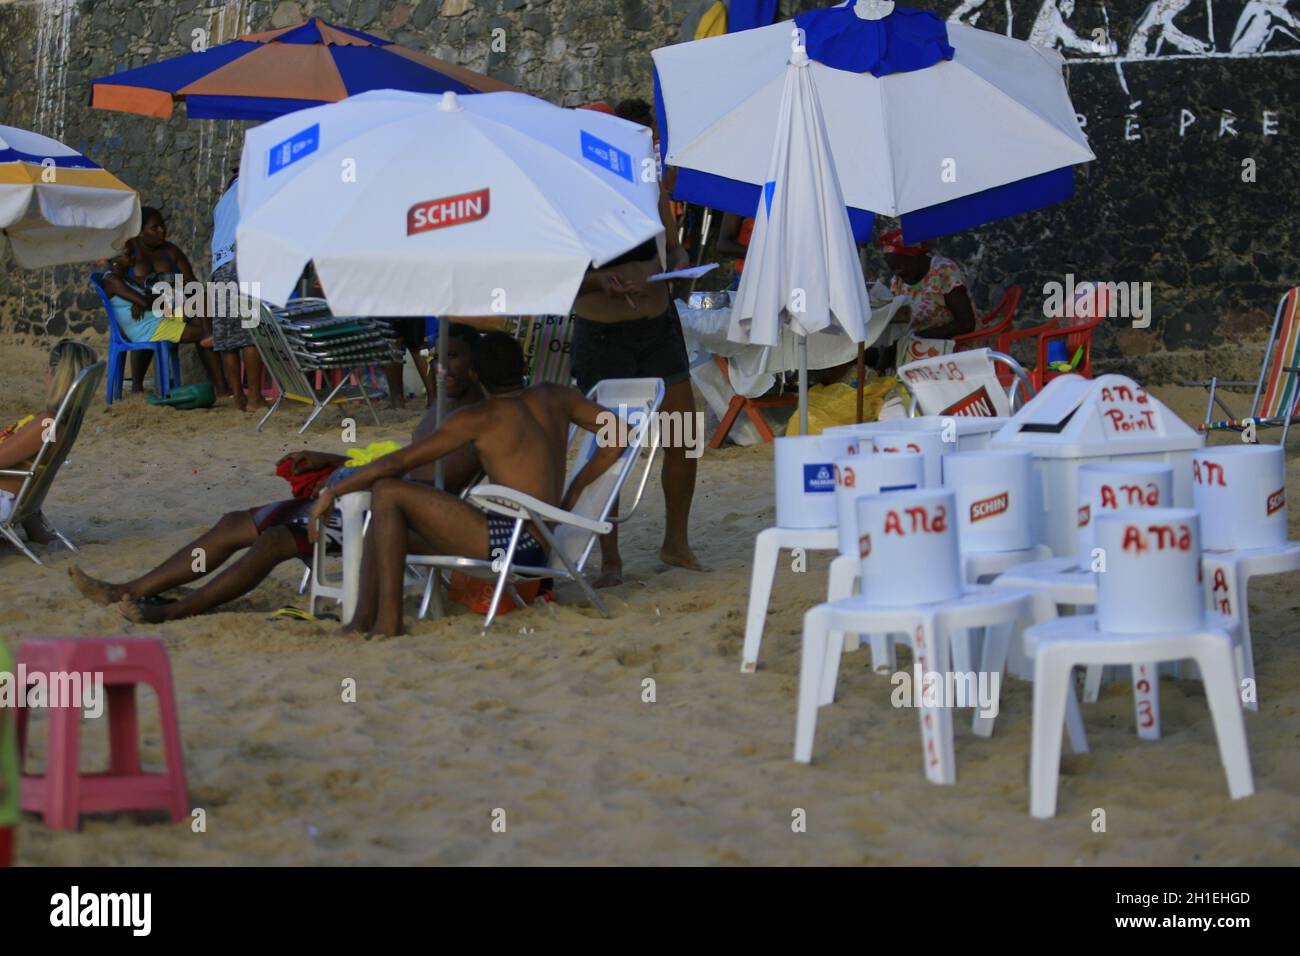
(1191, 108)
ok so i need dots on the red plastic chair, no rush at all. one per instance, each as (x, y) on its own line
(1075, 329)
(63, 792)
(989, 328)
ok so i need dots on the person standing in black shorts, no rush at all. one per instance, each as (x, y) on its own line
(625, 327)
(411, 333)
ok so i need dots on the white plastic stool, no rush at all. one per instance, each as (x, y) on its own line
(926, 628)
(1058, 646)
(354, 508)
(767, 548)
(1225, 575)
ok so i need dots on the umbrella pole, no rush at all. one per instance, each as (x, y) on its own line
(440, 389)
(803, 385)
(861, 375)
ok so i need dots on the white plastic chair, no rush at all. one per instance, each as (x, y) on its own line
(575, 532)
(1240, 492)
(805, 519)
(1226, 575)
(1058, 646)
(1150, 609)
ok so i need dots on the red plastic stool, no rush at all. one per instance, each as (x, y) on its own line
(64, 793)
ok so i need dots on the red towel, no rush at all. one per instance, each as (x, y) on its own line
(303, 485)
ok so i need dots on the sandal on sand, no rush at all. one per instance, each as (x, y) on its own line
(297, 614)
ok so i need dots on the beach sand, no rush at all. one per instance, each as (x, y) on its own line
(544, 718)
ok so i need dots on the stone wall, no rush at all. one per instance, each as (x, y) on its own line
(1192, 190)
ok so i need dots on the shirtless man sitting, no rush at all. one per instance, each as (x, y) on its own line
(521, 438)
(275, 532)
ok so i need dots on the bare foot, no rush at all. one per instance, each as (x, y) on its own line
(681, 556)
(611, 575)
(101, 592)
(142, 613)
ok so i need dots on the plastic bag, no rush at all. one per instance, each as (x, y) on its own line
(837, 404)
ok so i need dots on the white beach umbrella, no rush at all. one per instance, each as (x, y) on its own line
(802, 267)
(57, 206)
(415, 204)
(940, 124)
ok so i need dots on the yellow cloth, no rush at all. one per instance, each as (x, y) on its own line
(16, 426)
(713, 23)
(364, 456)
(838, 405)
(170, 329)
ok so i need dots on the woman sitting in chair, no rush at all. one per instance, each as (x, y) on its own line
(21, 441)
(941, 304)
(147, 260)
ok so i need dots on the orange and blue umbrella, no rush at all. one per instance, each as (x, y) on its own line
(263, 75)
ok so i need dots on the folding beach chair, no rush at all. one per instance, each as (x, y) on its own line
(40, 476)
(568, 535)
(965, 383)
(290, 354)
(547, 341)
(1276, 390)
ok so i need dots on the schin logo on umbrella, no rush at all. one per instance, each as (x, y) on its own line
(1085, 515)
(448, 211)
(1277, 500)
(818, 478)
(975, 405)
(988, 507)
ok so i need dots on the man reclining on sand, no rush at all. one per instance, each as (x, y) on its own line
(521, 437)
(276, 532)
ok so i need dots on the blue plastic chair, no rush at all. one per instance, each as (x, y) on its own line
(167, 357)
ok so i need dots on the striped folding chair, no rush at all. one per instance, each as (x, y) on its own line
(1277, 388)
(548, 348)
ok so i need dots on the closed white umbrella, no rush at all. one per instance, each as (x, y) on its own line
(801, 267)
(57, 206)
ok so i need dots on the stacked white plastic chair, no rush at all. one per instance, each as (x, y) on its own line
(1072, 581)
(995, 524)
(911, 583)
(805, 519)
(856, 477)
(1240, 492)
(1150, 608)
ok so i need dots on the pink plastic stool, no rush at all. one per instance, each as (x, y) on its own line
(64, 793)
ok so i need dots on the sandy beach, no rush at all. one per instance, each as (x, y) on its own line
(544, 717)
